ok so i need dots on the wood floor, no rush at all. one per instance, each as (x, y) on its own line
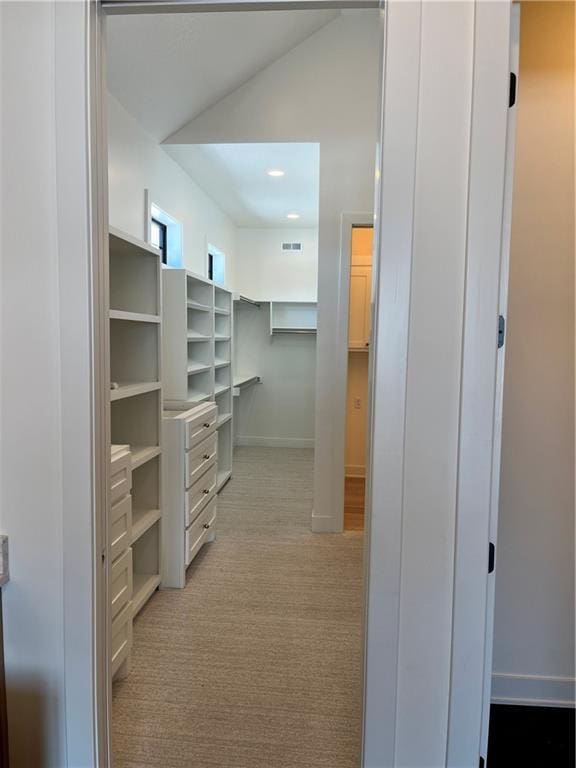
(256, 663)
(354, 500)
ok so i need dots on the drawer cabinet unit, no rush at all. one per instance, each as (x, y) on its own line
(120, 558)
(200, 458)
(189, 485)
(201, 530)
(201, 492)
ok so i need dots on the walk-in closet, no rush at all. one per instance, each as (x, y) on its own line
(232, 439)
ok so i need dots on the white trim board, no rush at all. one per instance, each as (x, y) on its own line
(275, 442)
(533, 690)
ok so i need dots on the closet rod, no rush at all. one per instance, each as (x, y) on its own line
(248, 301)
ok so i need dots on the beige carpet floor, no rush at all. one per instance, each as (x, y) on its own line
(256, 663)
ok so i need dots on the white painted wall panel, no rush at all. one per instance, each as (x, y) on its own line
(137, 162)
(263, 271)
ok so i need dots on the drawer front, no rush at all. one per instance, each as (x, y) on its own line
(200, 530)
(120, 526)
(121, 638)
(200, 493)
(120, 474)
(200, 458)
(121, 582)
(199, 427)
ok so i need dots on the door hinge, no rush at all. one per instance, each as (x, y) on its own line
(512, 91)
(501, 330)
(491, 556)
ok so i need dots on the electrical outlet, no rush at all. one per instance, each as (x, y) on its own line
(357, 403)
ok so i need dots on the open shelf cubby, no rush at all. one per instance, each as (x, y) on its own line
(199, 293)
(293, 317)
(134, 275)
(134, 352)
(222, 353)
(222, 327)
(199, 323)
(145, 497)
(222, 301)
(224, 403)
(145, 566)
(135, 422)
(200, 386)
(222, 379)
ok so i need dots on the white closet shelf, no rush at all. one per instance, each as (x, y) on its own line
(125, 243)
(196, 396)
(136, 317)
(199, 307)
(197, 368)
(223, 477)
(143, 453)
(144, 586)
(197, 337)
(142, 520)
(221, 363)
(132, 389)
(223, 418)
(277, 329)
(217, 337)
(220, 311)
(219, 388)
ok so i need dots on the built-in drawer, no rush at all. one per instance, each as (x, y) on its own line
(120, 526)
(201, 424)
(200, 458)
(120, 472)
(201, 492)
(121, 638)
(121, 582)
(200, 530)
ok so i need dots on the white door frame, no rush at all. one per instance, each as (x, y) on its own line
(439, 218)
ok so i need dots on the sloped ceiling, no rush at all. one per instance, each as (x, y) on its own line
(167, 69)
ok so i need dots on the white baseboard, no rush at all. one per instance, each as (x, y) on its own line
(533, 690)
(276, 442)
(355, 470)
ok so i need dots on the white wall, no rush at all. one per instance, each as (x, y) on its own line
(534, 621)
(325, 90)
(45, 406)
(280, 410)
(264, 272)
(137, 162)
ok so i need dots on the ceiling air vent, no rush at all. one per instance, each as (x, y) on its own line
(292, 247)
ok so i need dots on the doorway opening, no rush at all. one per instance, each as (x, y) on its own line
(232, 613)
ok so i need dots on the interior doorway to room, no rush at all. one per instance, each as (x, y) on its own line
(359, 333)
(227, 399)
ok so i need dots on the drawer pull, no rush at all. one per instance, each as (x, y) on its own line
(206, 426)
(205, 491)
(206, 525)
(206, 456)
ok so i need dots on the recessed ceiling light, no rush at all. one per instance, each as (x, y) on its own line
(275, 172)
(292, 215)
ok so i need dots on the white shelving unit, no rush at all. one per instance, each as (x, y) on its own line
(136, 396)
(293, 317)
(197, 352)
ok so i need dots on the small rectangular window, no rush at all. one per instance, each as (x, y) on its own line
(159, 238)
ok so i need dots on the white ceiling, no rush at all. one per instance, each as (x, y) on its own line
(167, 69)
(235, 176)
